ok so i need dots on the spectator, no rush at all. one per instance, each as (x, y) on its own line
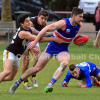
(97, 18)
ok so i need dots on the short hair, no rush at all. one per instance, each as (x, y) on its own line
(72, 67)
(21, 18)
(43, 12)
(76, 11)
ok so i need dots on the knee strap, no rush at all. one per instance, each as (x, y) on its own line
(62, 66)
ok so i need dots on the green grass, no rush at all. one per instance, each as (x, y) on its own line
(72, 92)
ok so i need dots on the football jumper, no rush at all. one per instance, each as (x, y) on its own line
(87, 69)
(38, 27)
(35, 23)
(67, 35)
(18, 45)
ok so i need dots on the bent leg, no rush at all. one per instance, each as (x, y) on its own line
(11, 76)
(8, 68)
(36, 54)
(44, 58)
(63, 59)
(98, 76)
(25, 61)
(25, 64)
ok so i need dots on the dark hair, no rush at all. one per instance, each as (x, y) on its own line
(21, 18)
(43, 12)
(76, 11)
(72, 67)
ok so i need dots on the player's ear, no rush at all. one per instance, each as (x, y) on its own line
(73, 15)
(78, 69)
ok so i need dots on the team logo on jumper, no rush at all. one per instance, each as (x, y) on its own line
(68, 31)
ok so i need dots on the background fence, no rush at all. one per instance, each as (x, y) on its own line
(86, 29)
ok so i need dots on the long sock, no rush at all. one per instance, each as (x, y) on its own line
(97, 83)
(52, 82)
(18, 82)
(25, 81)
(33, 76)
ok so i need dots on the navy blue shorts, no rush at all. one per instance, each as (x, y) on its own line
(96, 72)
(54, 48)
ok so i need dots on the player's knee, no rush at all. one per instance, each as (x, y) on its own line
(10, 78)
(37, 70)
(25, 64)
(7, 72)
(64, 62)
(36, 58)
(63, 65)
(98, 77)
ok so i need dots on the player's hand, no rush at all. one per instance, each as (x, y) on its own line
(31, 45)
(83, 44)
(96, 44)
(58, 40)
(65, 84)
(80, 85)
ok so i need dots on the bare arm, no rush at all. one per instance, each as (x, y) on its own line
(29, 36)
(96, 44)
(57, 25)
(80, 85)
(36, 32)
(55, 39)
(26, 35)
(48, 34)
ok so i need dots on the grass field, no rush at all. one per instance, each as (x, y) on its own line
(72, 92)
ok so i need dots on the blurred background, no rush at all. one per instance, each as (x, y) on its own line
(58, 9)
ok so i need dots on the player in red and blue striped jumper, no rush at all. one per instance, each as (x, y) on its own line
(65, 29)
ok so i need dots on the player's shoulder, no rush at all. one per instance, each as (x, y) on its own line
(64, 21)
(68, 73)
(32, 19)
(82, 65)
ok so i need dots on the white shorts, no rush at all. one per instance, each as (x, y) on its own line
(10, 56)
(35, 45)
(38, 44)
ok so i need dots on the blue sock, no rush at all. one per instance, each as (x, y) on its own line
(52, 81)
(18, 82)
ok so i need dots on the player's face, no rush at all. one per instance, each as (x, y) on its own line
(78, 18)
(75, 72)
(42, 20)
(26, 23)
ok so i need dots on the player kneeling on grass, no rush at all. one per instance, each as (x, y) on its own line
(85, 71)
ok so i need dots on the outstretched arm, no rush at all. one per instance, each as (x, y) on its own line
(47, 39)
(96, 44)
(80, 85)
(66, 79)
(36, 32)
(57, 25)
